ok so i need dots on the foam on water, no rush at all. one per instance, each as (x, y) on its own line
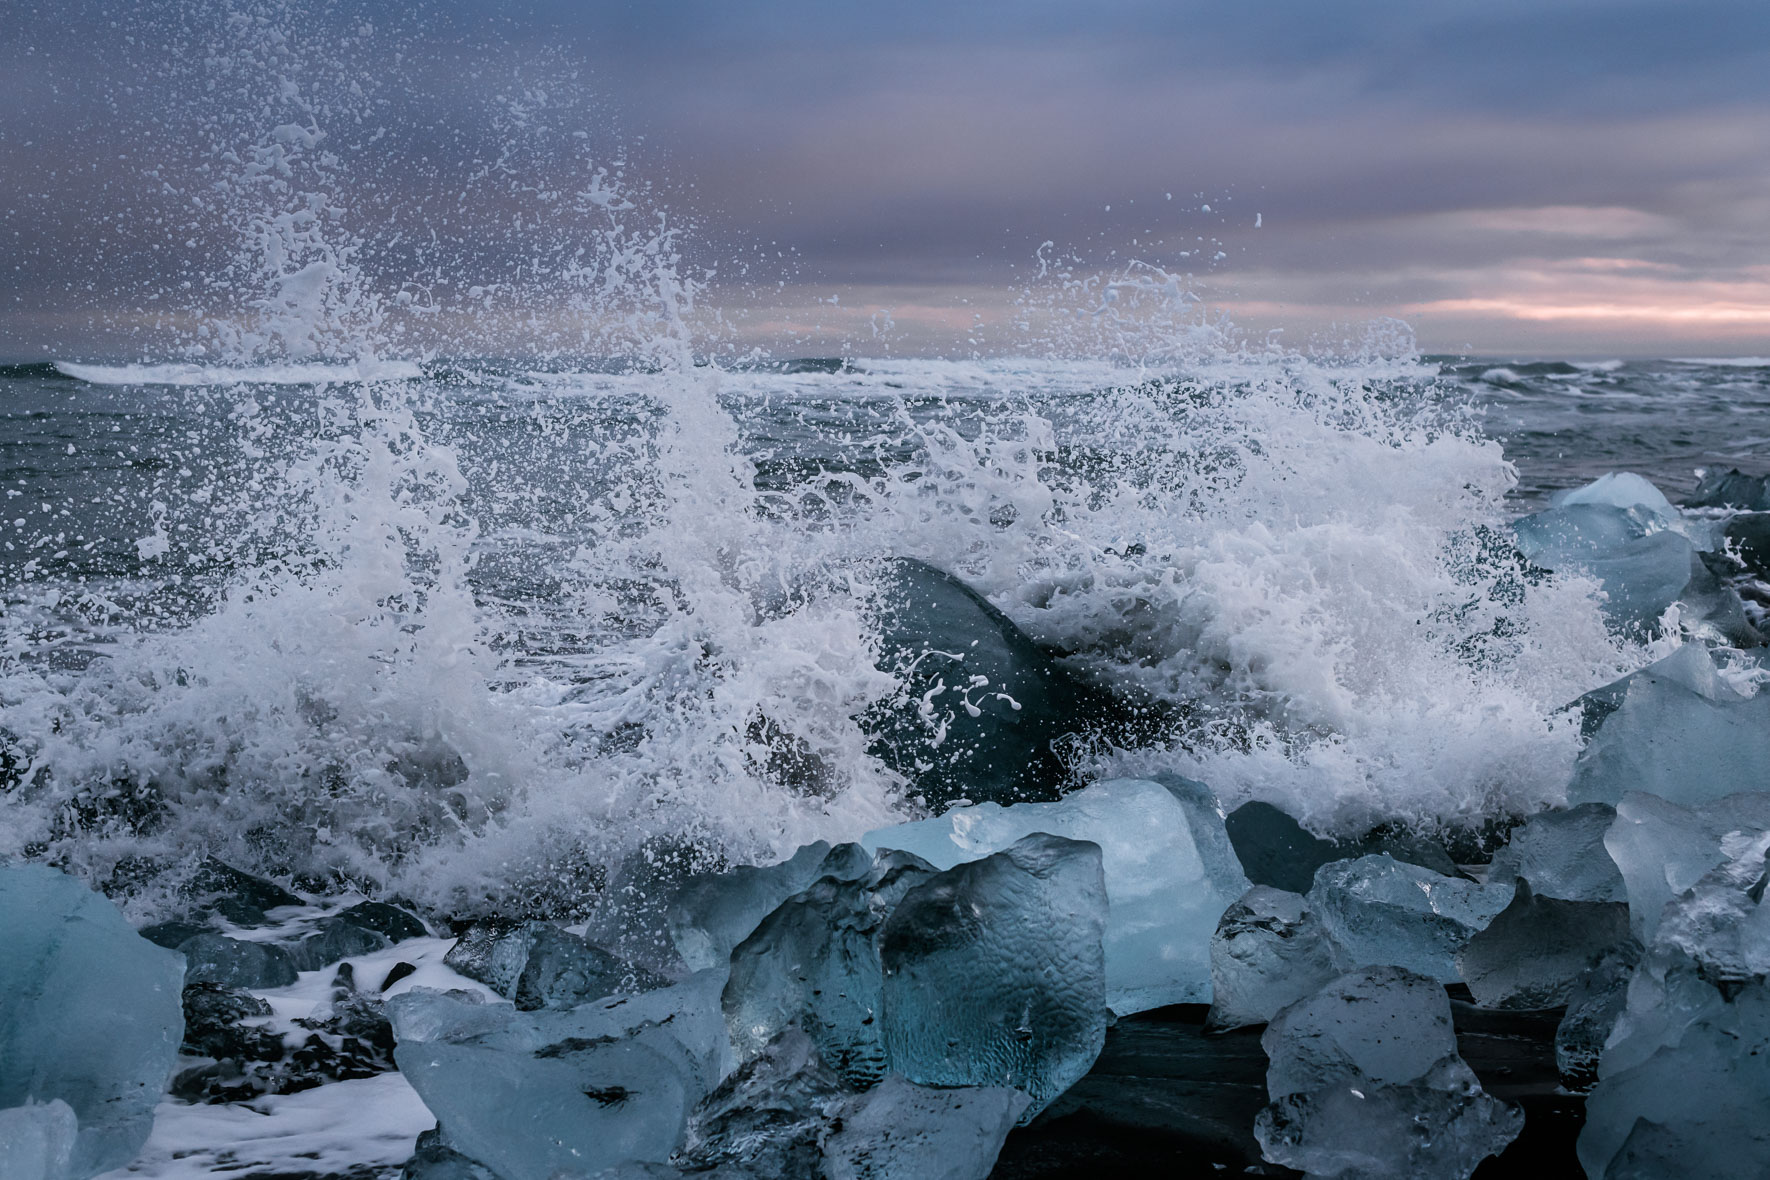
(478, 634)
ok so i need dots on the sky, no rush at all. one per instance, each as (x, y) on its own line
(1542, 178)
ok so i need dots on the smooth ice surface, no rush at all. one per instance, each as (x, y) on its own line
(985, 702)
(89, 1013)
(995, 974)
(1676, 729)
(1663, 849)
(531, 1094)
(37, 1141)
(1365, 1081)
(1170, 874)
(814, 963)
(1624, 489)
(1269, 950)
(1382, 911)
(1706, 1097)
(1562, 855)
(899, 1129)
(1385, 1024)
(714, 912)
(1643, 572)
(1533, 952)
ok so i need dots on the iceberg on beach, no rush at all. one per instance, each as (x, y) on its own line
(1365, 1080)
(1677, 729)
(1269, 951)
(1170, 874)
(714, 912)
(1382, 911)
(90, 1016)
(995, 973)
(531, 1095)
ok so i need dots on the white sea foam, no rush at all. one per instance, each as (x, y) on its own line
(206, 375)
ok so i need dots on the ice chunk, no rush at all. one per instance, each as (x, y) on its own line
(433, 1159)
(713, 912)
(37, 1141)
(1532, 953)
(995, 972)
(770, 1116)
(1624, 489)
(814, 963)
(1643, 572)
(984, 702)
(538, 965)
(1594, 1002)
(89, 1013)
(1170, 874)
(1702, 1100)
(231, 962)
(1381, 911)
(1365, 1080)
(1675, 729)
(1663, 849)
(900, 1129)
(1562, 855)
(1269, 950)
(533, 1094)
(1732, 489)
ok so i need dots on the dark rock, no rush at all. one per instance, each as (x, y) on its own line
(216, 958)
(1732, 489)
(1749, 533)
(334, 940)
(953, 737)
(1276, 850)
(237, 896)
(172, 935)
(388, 920)
(399, 972)
(433, 1159)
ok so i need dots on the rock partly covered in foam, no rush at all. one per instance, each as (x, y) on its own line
(233, 962)
(89, 1015)
(1676, 729)
(1170, 874)
(995, 973)
(1381, 911)
(1365, 1081)
(983, 704)
(1269, 951)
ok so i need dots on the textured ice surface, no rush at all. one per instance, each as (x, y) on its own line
(538, 965)
(1643, 572)
(1365, 1080)
(714, 912)
(1594, 1002)
(995, 974)
(1562, 854)
(1535, 949)
(814, 963)
(1624, 489)
(1676, 729)
(532, 1094)
(1269, 950)
(899, 1129)
(1170, 874)
(89, 1013)
(985, 702)
(1702, 1099)
(1663, 849)
(1380, 910)
(231, 962)
(770, 1115)
(37, 1141)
